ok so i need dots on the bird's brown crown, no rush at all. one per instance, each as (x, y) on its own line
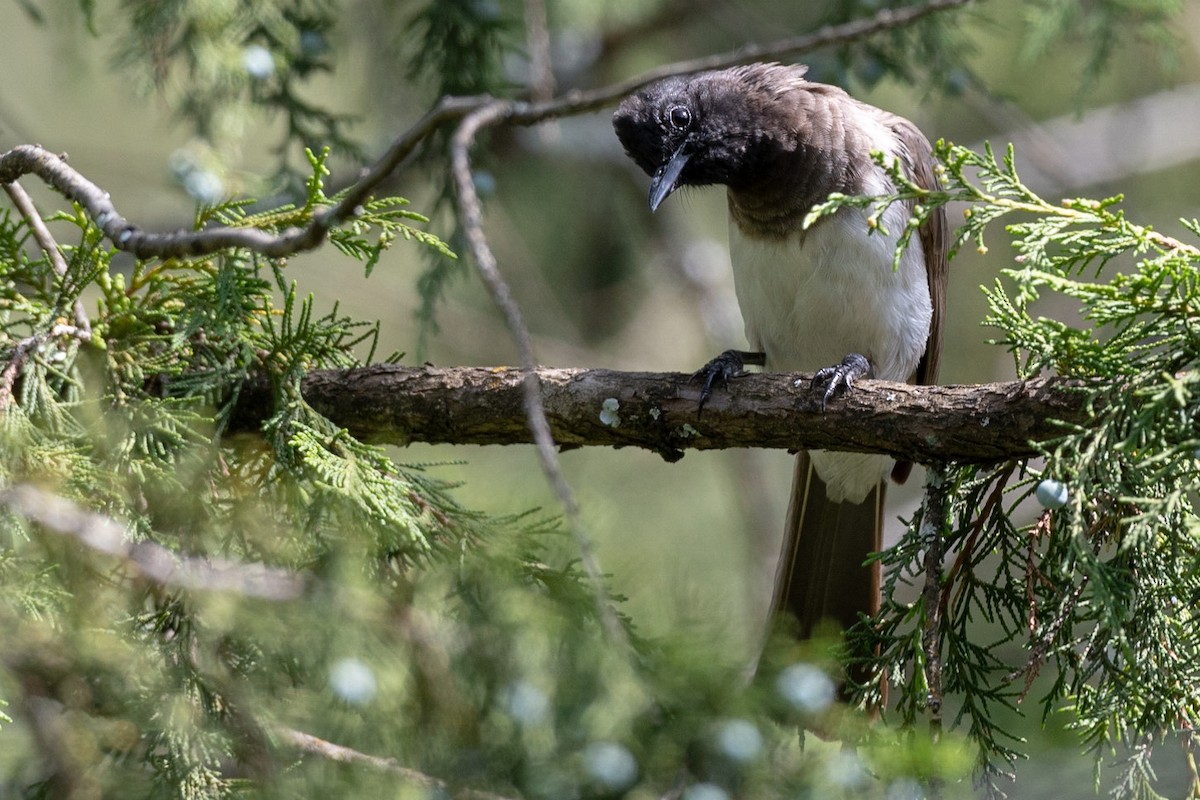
(731, 123)
(779, 142)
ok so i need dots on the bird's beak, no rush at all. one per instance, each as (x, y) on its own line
(666, 180)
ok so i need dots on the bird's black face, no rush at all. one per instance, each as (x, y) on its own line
(659, 130)
(694, 131)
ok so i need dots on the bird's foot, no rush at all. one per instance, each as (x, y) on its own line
(832, 381)
(729, 364)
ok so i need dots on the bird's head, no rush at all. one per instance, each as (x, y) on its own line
(723, 127)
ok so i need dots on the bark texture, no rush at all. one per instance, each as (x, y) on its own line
(658, 411)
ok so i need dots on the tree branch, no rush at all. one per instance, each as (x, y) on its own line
(340, 753)
(657, 411)
(41, 234)
(147, 559)
(575, 102)
(934, 526)
(470, 212)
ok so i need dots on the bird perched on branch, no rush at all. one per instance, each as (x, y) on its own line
(824, 299)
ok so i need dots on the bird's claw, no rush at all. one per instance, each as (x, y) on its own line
(729, 364)
(832, 381)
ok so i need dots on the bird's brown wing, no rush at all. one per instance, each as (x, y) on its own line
(917, 159)
(918, 162)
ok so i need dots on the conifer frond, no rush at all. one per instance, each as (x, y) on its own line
(1093, 596)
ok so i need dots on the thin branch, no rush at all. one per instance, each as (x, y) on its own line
(147, 559)
(392, 404)
(53, 169)
(470, 214)
(537, 43)
(966, 552)
(346, 755)
(448, 109)
(576, 102)
(41, 234)
(1041, 644)
(933, 531)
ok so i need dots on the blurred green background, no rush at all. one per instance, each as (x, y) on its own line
(601, 281)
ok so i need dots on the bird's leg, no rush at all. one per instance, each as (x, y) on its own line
(840, 377)
(729, 364)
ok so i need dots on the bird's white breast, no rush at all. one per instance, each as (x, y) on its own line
(818, 295)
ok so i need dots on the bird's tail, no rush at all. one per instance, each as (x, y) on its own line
(821, 573)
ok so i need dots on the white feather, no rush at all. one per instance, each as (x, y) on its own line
(813, 298)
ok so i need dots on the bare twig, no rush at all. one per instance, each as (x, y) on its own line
(537, 42)
(886, 19)
(448, 109)
(147, 559)
(471, 216)
(41, 234)
(53, 169)
(1040, 645)
(346, 755)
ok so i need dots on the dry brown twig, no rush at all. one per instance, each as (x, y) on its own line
(470, 214)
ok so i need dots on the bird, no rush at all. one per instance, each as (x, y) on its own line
(826, 299)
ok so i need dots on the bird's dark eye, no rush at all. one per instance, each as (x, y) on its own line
(680, 117)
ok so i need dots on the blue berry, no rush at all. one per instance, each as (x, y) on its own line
(1052, 493)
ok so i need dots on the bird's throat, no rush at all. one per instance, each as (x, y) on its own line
(774, 207)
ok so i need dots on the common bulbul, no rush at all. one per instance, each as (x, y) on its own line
(824, 299)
